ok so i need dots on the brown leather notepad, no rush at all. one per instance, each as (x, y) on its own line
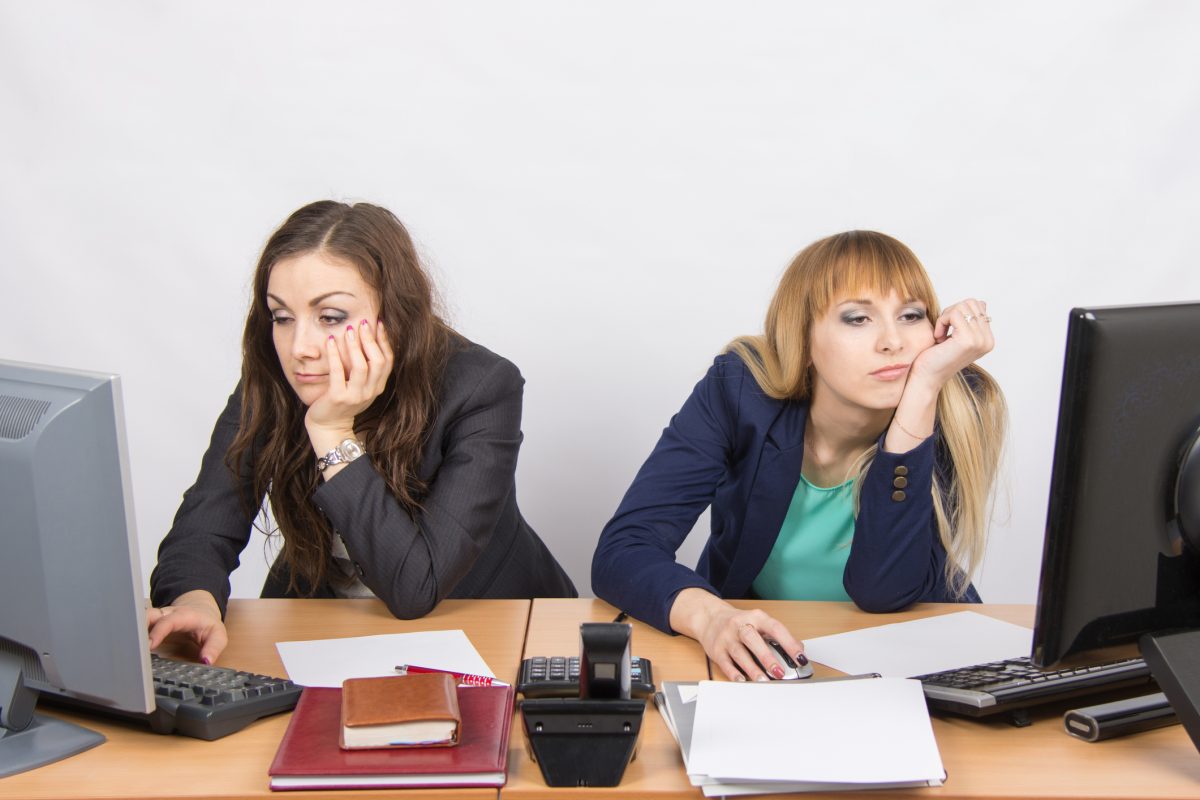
(400, 711)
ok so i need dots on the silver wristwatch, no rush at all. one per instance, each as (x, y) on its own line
(344, 453)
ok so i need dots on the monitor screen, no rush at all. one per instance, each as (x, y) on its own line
(72, 613)
(1114, 565)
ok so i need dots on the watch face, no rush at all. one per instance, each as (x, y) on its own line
(350, 449)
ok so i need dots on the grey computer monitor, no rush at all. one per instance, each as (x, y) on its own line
(1121, 556)
(72, 612)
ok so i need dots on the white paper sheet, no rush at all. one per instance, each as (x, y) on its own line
(922, 646)
(328, 662)
(840, 732)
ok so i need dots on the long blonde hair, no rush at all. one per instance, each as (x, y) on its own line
(971, 413)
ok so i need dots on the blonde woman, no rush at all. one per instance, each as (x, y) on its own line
(848, 453)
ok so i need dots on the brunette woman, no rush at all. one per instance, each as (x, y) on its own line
(386, 442)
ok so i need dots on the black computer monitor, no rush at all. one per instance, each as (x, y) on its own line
(1122, 551)
(72, 610)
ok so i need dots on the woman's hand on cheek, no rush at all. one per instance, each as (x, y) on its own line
(354, 381)
(962, 335)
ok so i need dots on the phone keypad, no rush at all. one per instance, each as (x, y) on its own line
(558, 676)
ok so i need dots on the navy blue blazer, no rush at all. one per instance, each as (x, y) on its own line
(739, 451)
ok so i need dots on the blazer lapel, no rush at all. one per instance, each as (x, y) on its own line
(770, 496)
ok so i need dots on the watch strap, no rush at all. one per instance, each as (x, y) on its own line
(346, 451)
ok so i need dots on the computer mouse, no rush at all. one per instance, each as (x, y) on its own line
(792, 670)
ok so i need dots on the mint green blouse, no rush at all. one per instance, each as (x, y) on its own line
(810, 555)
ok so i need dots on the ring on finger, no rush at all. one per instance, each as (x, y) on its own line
(969, 317)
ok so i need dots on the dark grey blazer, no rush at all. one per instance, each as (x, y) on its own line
(470, 541)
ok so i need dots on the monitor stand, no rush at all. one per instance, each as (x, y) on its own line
(29, 740)
(1174, 659)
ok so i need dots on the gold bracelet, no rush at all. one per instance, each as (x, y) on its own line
(903, 429)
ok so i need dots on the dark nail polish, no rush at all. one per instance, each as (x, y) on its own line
(364, 322)
(205, 660)
(802, 660)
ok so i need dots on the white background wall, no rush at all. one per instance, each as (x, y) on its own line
(605, 192)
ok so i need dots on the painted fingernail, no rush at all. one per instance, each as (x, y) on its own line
(364, 322)
(331, 338)
(205, 660)
(802, 659)
(777, 671)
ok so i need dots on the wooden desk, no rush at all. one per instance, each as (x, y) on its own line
(985, 760)
(136, 763)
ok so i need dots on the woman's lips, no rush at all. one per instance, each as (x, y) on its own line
(307, 377)
(891, 373)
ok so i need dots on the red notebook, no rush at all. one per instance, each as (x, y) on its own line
(309, 756)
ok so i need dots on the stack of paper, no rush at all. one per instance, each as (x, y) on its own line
(758, 738)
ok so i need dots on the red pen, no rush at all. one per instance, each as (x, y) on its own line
(463, 678)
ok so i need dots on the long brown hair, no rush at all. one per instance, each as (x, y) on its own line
(271, 441)
(971, 412)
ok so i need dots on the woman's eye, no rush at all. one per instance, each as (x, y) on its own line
(915, 315)
(280, 319)
(855, 319)
(332, 319)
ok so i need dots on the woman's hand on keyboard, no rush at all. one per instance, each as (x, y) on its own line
(194, 615)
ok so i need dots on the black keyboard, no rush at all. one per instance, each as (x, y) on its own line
(207, 702)
(1002, 686)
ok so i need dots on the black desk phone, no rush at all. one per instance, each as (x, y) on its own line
(558, 676)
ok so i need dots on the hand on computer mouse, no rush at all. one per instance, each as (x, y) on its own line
(732, 636)
(793, 669)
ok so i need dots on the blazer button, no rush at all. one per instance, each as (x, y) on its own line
(898, 495)
(362, 572)
(901, 470)
(900, 482)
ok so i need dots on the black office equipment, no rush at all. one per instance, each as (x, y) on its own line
(578, 742)
(1015, 684)
(1121, 556)
(1124, 484)
(604, 660)
(558, 676)
(588, 739)
(1174, 658)
(205, 702)
(1120, 717)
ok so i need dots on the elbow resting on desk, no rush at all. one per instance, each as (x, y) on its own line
(875, 597)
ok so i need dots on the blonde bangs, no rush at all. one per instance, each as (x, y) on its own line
(859, 264)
